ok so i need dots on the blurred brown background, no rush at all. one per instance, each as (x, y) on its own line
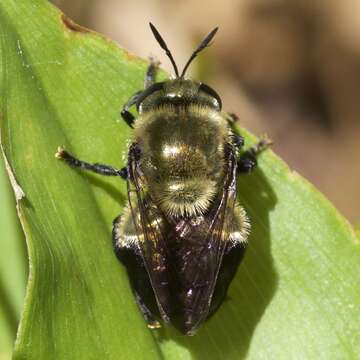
(290, 69)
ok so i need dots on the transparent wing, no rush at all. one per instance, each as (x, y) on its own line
(202, 252)
(151, 227)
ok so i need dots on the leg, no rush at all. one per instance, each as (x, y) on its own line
(127, 252)
(152, 323)
(232, 118)
(149, 80)
(151, 73)
(247, 161)
(234, 252)
(125, 113)
(237, 140)
(140, 284)
(97, 168)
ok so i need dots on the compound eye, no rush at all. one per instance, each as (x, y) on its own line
(210, 91)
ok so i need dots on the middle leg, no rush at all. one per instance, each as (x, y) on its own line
(247, 160)
(97, 168)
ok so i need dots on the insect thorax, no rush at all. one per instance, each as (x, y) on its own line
(182, 156)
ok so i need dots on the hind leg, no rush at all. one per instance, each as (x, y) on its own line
(127, 251)
(234, 252)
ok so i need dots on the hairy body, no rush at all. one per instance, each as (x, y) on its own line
(182, 156)
(183, 233)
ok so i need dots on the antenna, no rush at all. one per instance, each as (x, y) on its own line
(202, 46)
(162, 43)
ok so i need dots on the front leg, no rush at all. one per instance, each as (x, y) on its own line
(149, 80)
(151, 71)
(97, 168)
(125, 113)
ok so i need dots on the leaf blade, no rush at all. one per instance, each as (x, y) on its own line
(297, 240)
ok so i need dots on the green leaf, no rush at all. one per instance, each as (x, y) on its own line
(296, 295)
(13, 264)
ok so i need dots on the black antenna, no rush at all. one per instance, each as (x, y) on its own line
(202, 46)
(162, 43)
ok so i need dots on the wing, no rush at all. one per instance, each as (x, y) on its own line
(203, 249)
(151, 227)
(182, 256)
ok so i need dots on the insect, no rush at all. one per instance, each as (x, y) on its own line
(183, 233)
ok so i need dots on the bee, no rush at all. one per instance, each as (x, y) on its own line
(183, 233)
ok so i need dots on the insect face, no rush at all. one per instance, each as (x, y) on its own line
(178, 92)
